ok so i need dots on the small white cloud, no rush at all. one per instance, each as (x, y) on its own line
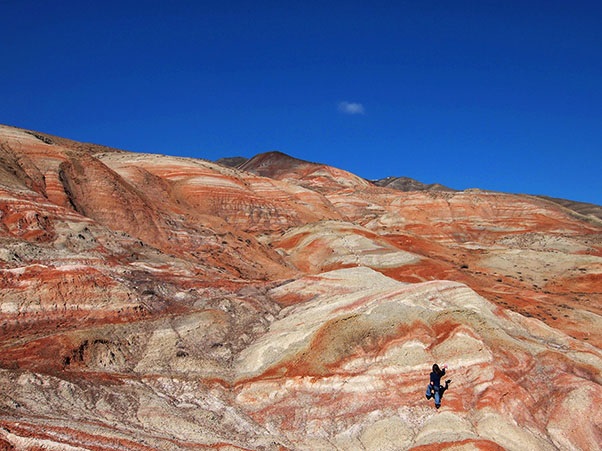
(351, 108)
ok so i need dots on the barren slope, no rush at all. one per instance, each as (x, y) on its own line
(153, 302)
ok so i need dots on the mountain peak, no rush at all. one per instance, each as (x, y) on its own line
(271, 163)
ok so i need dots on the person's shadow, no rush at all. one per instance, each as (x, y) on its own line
(443, 389)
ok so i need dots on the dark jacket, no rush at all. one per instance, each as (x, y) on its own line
(436, 379)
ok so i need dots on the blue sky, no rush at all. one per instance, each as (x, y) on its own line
(500, 95)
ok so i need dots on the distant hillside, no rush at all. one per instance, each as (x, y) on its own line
(582, 208)
(409, 184)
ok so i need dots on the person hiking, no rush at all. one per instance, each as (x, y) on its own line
(434, 389)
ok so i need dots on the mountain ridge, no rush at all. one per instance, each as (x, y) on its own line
(405, 183)
(154, 302)
(402, 183)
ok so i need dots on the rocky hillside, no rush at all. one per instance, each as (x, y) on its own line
(160, 303)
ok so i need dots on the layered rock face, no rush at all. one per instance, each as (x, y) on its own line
(160, 303)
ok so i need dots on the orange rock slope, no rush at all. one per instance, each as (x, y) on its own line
(153, 302)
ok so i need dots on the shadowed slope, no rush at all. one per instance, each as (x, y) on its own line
(409, 184)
